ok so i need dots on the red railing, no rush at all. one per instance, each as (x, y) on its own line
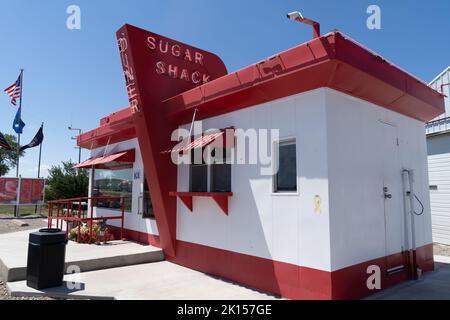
(65, 212)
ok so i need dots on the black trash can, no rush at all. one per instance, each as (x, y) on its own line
(46, 258)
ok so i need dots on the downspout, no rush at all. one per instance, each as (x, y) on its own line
(415, 271)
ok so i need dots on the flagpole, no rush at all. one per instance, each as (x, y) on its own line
(40, 155)
(16, 208)
(39, 163)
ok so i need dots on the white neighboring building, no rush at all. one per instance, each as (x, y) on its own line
(438, 140)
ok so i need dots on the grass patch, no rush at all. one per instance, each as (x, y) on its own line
(23, 210)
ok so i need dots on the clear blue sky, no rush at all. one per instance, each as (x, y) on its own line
(74, 76)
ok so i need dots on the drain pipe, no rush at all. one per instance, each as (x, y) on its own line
(415, 271)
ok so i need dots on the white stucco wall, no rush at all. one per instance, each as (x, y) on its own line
(340, 158)
(282, 227)
(356, 156)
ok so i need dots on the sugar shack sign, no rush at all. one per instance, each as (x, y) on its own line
(183, 53)
(166, 61)
(157, 68)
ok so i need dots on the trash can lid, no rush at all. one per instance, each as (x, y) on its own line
(48, 236)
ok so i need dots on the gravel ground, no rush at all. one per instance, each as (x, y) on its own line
(4, 295)
(441, 250)
(6, 226)
(34, 222)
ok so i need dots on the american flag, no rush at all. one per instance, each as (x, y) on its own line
(14, 91)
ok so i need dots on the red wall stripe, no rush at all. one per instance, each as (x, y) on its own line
(281, 278)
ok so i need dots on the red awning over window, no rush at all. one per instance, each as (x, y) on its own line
(221, 138)
(115, 161)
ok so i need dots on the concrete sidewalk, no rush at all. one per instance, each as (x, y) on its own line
(432, 286)
(152, 281)
(14, 251)
(167, 281)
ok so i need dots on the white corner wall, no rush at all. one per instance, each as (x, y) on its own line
(356, 176)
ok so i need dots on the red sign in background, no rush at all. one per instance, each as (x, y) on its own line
(31, 191)
(8, 190)
(37, 191)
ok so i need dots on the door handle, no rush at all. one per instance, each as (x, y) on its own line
(140, 205)
(386, 194)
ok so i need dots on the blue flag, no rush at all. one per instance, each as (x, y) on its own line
(18, 124)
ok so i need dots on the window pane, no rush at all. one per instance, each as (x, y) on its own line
(221, 178)
(147, 211)
(286, 178)
(115, 183)
(199, 178)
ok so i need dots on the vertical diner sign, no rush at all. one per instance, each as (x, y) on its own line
(129, 75)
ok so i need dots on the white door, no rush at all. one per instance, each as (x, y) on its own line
(393, 199)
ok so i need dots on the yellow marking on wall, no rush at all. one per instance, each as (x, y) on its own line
(317, 204)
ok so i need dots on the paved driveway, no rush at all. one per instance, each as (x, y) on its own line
(432, 286)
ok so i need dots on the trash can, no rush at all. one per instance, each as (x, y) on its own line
(46, 258)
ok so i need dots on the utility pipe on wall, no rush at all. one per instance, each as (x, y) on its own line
(410, 193)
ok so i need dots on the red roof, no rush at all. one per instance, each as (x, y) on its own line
(333, 60)
(116, 127)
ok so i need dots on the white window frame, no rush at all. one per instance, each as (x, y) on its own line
(276, 145)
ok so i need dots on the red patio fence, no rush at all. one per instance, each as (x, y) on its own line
(64, 211)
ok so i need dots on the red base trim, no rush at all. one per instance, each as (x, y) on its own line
(284, 279)
(137, 236)
(291, 281)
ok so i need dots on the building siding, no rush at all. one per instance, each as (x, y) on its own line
(438, 140)
(439, 174)
(441, 123)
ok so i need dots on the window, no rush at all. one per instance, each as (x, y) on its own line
(216, 174)
(285, 180)
(115, 183)
(220, 172)
(198, 173)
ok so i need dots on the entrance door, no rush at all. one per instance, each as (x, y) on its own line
(147, 207)
(145, 224)
(392, 194)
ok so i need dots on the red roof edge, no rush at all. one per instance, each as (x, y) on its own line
(333, 60)
(116, 127)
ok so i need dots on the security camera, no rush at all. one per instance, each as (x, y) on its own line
(294, 15)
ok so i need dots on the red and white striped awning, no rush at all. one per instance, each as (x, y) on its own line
(115, 161)
(220, 138)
